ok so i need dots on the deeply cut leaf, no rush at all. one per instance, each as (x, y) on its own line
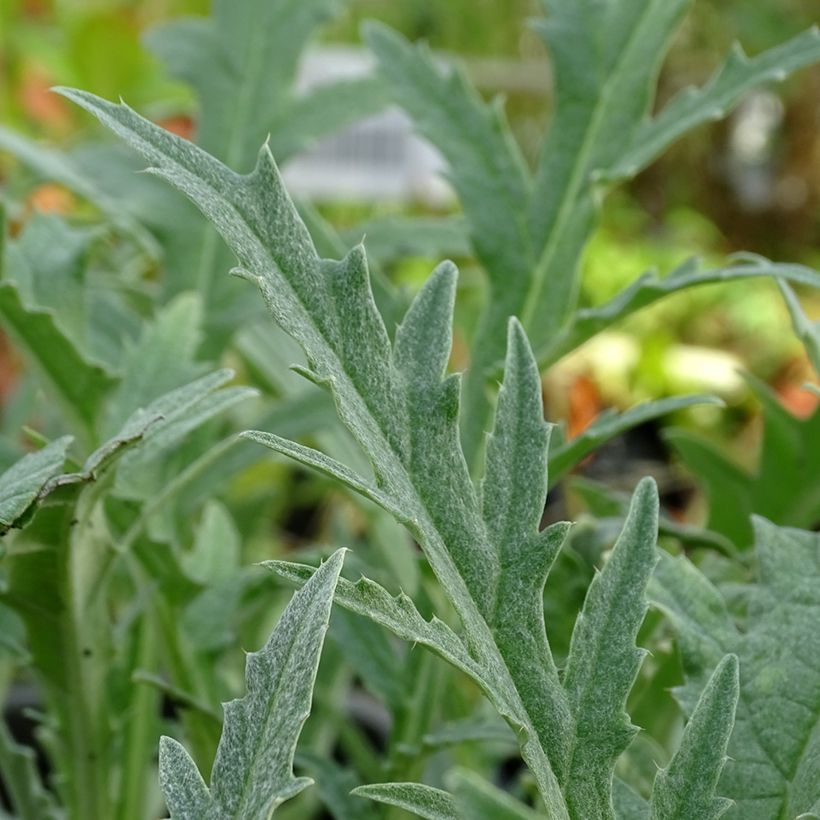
(253, 771)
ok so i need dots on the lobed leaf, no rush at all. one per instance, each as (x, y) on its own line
(403, 412)
(253, 770)
(773, 752)
(396, 613)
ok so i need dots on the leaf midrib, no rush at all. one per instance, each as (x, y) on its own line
(441, 561)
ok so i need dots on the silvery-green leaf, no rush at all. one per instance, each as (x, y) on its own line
(403, 410)
(490, 177)
(773, 752)
(396, 613)
(604, 661)
(686, 787)
(423, 801)
(627, 803)
(253, 770)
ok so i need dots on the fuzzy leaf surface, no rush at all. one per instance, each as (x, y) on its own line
(603, 660)
(423, 801)
(686, 787)
(253, 771)
(774, 750)
(403, 410)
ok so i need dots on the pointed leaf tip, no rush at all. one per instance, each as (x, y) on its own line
(424, 338)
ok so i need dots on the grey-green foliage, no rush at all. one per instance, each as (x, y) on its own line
(774, 752)
(423, 801)
(482, 540)
(529, 228)
(253, 771)
(686, 787)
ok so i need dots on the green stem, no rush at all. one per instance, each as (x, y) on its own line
(141, 731)
(85, 630)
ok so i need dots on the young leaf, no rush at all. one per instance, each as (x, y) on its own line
(423, 801)
(23, 481)
(603, 660)
(773, 752)
(253, 771)
(686, 787)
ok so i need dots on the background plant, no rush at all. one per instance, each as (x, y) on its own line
(391, 396)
